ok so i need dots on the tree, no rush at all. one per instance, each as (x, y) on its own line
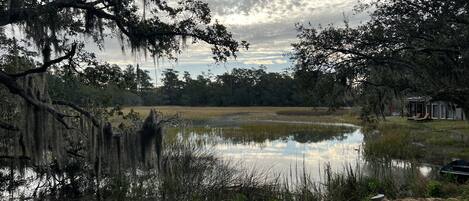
(172, 87)
(53, 133)
(422, 46)
(195, 91)
(52, 25)
(143, 79)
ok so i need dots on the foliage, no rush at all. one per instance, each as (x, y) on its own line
(241, 87)
(49, 134)
(101, 85)
(434, 189)
(108, 85)
(407, 47)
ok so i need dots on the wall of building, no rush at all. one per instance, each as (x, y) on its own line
(446, 110)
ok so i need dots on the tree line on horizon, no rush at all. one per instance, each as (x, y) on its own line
(110, 85)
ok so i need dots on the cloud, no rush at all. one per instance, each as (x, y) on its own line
(268, 25)
(259, 62)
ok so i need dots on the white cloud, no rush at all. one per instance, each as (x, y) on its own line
(259, 62)
(268, 25)
(280, 61)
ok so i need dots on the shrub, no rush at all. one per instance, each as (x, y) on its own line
(434, 189)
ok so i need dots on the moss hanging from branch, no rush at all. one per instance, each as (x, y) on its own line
(45, 140)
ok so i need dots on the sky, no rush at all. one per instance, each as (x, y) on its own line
(268, 25)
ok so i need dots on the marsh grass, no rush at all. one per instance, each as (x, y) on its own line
(317, 111)
(435, 142)
(262, 132)
(201, 115)
(191, 173)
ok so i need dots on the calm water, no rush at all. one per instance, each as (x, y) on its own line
(308, 147)
(281, 156)
(284, 153)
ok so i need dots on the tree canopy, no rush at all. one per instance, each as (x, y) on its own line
(415, 47)
(157, 27)
(53, 133)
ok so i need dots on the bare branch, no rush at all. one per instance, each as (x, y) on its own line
(15, 157)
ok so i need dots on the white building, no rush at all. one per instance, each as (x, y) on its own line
(424, 107)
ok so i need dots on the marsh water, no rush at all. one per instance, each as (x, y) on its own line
(291, 149)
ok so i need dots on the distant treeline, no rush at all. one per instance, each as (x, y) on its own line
(110, 85)
(240, 87)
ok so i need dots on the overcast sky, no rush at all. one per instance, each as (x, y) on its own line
(268, 25)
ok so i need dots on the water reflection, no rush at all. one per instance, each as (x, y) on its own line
(282, 148)
(281, 156)
(289, 149)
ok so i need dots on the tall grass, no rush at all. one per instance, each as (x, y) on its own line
(191, 173)
(436, 142)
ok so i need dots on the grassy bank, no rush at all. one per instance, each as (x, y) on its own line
(436, 142)
(191, 173)
(346, 115)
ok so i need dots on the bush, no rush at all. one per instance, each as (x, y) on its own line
(434, 189)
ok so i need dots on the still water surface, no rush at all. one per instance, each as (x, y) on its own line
(300, 146)
(307, 147)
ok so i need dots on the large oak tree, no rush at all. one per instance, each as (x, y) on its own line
(52, 34)
(407, 46)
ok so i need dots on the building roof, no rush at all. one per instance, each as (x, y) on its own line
(418, 98)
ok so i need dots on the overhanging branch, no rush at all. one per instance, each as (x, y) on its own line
(20, 15)
(46, 65)
(14, 88)
(78, 109)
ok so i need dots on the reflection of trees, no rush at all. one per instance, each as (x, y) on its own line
(318, 136)
(248, 134)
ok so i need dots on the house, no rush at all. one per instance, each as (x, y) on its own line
(425, 107)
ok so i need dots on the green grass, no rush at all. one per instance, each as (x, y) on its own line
(202, 114)
(435, 142)
(260, 132)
